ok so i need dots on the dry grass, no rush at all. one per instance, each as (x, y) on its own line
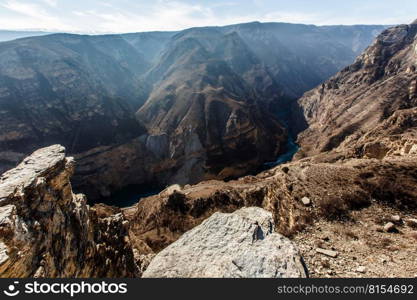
(411, 224)
(380, 220)
(343, 230)
(325, 263)
(350, 234)
(386, 242)
(333, 208)
(319, 244)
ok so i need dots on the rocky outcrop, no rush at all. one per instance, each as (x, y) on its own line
(238, 245)
(47, 231)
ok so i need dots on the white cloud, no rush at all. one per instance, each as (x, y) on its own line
(52, 3)
(162, 15)
(113, 16)
(291, 17)
(28, 15)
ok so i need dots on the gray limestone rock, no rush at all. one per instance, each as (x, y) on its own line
(238, 245)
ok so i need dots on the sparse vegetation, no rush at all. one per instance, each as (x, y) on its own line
(386, 242)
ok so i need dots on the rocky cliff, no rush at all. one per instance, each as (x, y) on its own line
(47, 231)
(208, 120)
(369, 108)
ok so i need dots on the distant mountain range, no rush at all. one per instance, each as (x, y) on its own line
(9, 35)
(163, 107)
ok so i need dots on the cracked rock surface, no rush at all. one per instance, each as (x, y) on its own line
(48, 231)
(240, 244)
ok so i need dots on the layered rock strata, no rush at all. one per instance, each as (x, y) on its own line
(48, 231)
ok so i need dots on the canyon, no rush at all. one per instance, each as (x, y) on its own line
(158, 108)
(345, 200)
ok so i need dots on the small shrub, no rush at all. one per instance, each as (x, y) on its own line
(351, 234)
(386, 242)
(325, 263)
(337, 207)
(177, 202)
(332, 208)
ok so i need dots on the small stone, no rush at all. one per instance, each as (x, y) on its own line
(396, 218)
(306, 201)
(384, 259)
(327, 252)
(361, 269)
(390, 227)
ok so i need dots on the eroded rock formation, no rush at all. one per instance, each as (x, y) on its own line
(369, 108)
(47, 231)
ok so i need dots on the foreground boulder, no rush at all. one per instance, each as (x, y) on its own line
(241, 244)
(48, 231)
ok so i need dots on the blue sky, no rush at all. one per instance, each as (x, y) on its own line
(106, 16)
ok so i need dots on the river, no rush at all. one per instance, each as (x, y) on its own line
(291, 149)
(291, 146)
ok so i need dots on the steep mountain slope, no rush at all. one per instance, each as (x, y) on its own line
(369, 108)
(358, 173)
(149, 44)
(215, 121)
(299, 57)
(69, 89)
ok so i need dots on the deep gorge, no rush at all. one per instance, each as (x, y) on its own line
(205, 103)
